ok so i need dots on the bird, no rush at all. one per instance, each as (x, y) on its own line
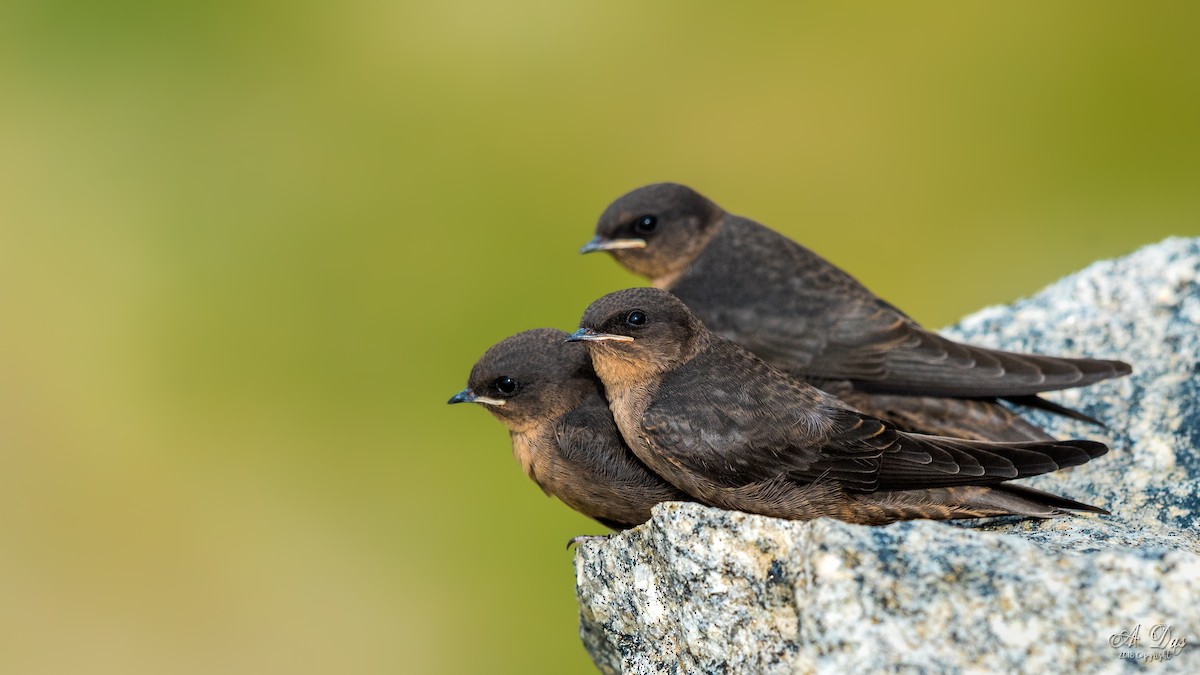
(802, 314)
(733, 431)
(563, 435)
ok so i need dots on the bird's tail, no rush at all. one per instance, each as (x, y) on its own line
(1035, 401)
(965, 418)
(918, 462)
(972, 501)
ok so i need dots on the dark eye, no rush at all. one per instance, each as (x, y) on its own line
(506, 385)
(636, 318)
(646, 224)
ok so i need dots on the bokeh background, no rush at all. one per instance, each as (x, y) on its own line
(249, 249)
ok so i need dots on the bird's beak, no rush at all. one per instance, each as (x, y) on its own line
(468, 396)
(602, 243)
(589, 335)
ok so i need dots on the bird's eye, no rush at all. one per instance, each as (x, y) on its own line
(636, 318)
(645, 224)
(506, 385)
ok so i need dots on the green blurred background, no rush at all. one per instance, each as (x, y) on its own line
(248, 250)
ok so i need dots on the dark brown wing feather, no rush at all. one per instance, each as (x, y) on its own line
(596, 474)
(1047, 499)
(971, 419)
(591, 446)
(931, 365)
(883, 351)
(967, 501)
(804, 315)
(732, 419)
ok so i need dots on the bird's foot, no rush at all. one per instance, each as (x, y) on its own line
(586, 537)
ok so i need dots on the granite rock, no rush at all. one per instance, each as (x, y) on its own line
(701, 590)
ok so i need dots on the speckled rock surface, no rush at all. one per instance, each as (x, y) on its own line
(700, 590)
(1143, 309)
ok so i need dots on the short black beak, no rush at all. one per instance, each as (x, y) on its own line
(589, 335)
(596, 244)
(602, 243)
(464, 396)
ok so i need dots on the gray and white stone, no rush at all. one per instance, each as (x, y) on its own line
(700, 590)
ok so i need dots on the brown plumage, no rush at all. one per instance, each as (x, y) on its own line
(804, 315)
(563, 435)
(955, 417)
(733, 431)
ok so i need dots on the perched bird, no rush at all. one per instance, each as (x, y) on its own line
(802, 314)
(545, 391)
(735, 432)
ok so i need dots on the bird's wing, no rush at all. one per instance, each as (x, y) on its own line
(590, 443)
(733, 420)
(917, 461)
(867, 340)
(967, 418)
(803, 314)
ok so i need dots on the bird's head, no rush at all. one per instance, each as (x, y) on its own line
(656, 230)
(638, 332)
(529, 378)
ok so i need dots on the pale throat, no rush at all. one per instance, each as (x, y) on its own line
(522, 451)
(619, 372)
(628, 383)
(666, 280)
